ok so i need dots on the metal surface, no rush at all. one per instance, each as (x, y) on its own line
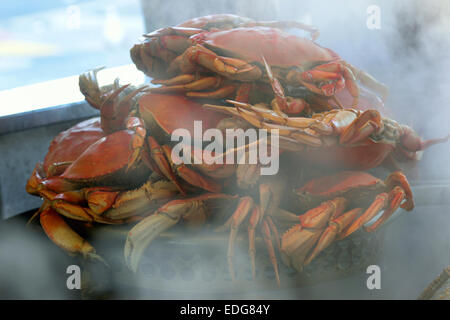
(431, 193)
(55, 101)
(183, 262)
(46, 116)
(193, 266)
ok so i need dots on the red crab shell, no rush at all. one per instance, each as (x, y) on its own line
(367, 156)
(93, 158)
(171, 112)
(106, 156)
(216, 21)
(278, 47)
(68, 145)
(338, 183)
(353, 185)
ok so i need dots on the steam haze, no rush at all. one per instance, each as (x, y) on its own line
(411, 54)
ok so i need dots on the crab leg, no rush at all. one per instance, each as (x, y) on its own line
(192, 177)
(35, 180)
(368, 81)
(243, 92)
(252, 224)
(143, 233)
(269, 195)
(79, 213)
(271, 190)
(189, 84)
(331, 232)
(399, 179)
(100, 199)
(196, 85)
(298, 241)
(336, 71)
(221, 93)
(177, 80)
(71, 211)
(377, 205)
(251, 113)
(135, 202)
(349, 125)
(56, 169)
(281, 104)
(69, 204)
(366, 124)
(258, 116)
(400, 190)
(244, 207)
(88, 84)
(137, 142)
(62, 235)
(229, 67)
(158, 156)
(319, 75)
(274, 230)
(396, 196)
(267, 235)
(114, 110)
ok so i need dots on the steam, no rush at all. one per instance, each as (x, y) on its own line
(410, 53)
(29, 267)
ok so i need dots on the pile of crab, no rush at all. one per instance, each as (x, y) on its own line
(230, 72)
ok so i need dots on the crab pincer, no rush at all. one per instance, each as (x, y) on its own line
(340, 204)
(64, 236)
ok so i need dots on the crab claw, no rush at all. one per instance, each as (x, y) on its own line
(332, 231)
(35, 180)
(282, 104)
(298, 241)
(187, 174)
(88, 84)
(366, 124)
(193, 210)
(63, 236)
(140, 237)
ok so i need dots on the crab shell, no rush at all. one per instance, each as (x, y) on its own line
(357, 186)
(215, 21)
(362, 157)
(277, 47)
(68, 145)
(94, 158)
(164, 113)
(105, 162)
